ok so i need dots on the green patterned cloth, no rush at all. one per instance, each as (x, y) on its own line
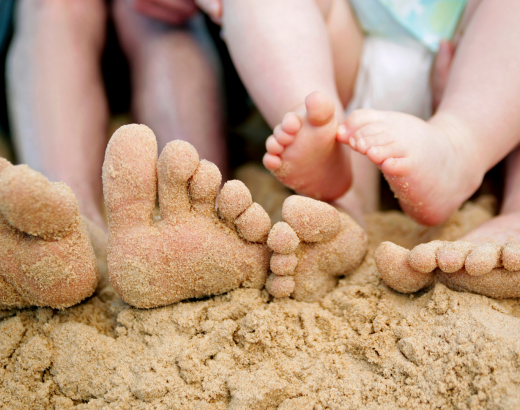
(428, 21)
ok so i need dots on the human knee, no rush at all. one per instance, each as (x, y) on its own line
(85, 17)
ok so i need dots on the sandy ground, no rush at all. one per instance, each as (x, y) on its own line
(362, 346)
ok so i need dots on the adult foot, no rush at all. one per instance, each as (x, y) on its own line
(312, 247)
(431, 166)
(303, 152)
(486, 261)
(46, 258)
(190, 251)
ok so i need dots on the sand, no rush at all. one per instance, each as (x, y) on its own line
(361, 346)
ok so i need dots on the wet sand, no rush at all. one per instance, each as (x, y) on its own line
(362, 346)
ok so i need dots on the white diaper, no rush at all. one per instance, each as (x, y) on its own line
(394, 75)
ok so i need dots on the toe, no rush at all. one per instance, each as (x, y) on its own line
(177, 164)
(380, 153)
(452, 255)
(279, 286)
(320, 108)
(368, 136)
(204, 186)
(483, 259)
(511, 257)
(282, 137)
(282, 238)
(283, 264)
(273, 147)
(396, 167)
(392, 264)
(234, 198)
(254, 224)
(312, 220)
(291, 123)
(130, 176)
(423, 258)
(362, 117)
(34, 205)
(272, 162)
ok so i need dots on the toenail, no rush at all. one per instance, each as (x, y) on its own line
(362, 142)
(342, 130)
(352, 142)
(375, 150)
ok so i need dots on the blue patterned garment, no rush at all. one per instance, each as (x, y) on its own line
(428, 21)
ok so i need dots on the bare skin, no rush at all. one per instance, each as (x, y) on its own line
(46, 258)
(193, 250)
(486, 261)
(434, 166)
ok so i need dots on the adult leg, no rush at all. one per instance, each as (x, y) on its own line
(434, 166)
(175, 81)
(57, 105)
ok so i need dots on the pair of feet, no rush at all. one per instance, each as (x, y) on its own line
(432, 170)
(191, 250)
(430, 165)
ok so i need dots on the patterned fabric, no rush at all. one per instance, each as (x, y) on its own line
(428, 21)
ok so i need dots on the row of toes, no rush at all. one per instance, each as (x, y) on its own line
(477, 260)
(184, 183)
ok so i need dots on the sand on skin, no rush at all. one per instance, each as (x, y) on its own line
(362, 346)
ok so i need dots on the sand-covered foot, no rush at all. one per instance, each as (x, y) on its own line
(46, 258)
(486, 261)
(303, 152)
(430, 166)
(312, 247)
(191, 251)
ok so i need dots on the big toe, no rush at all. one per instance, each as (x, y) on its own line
(320, 108)
(34, 205)
(394, 268)
(313, 221)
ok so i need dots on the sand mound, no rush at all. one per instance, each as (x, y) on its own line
(362, 346)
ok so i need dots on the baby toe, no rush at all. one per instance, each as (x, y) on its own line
(272, 162)
(423, 257)
(279, 286)
(282, 238)
(483, 259)
(273, 147)
(511, 257)
(320, 108)
(291, 123)
(452, 255)
(282, 137)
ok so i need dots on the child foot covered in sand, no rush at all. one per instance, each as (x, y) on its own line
(312, 247)
(193, 250)
(46, 258)
(303, 151)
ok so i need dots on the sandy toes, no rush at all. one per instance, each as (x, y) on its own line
(312, 247)
(303, 152)
(46, 258)
(431, 166)
(191, 251)
(474, 264)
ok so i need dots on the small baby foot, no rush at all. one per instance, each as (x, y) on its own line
(303, 152)
(430, 166)
(491, 269)
(46, 258)
(312, 247)
(191, 251)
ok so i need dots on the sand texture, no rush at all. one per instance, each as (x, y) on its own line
(361, 346)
